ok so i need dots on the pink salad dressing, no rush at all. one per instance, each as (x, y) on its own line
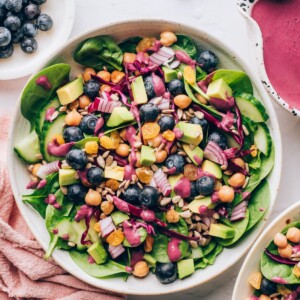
(279, 22)
(131, 234)
(129, 169)
(173, 250)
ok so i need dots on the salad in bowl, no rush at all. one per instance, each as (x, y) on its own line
(151, 159)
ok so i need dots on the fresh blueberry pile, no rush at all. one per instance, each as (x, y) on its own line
(20, 21)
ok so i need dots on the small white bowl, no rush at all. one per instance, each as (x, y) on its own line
(242, 289)
(21, 64)
(256, 43)
(19, 176)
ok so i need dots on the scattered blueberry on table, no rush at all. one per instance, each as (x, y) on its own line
(20, 21)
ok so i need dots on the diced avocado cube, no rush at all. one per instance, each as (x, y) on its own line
(70, 92)
(147, 156)
(169, 74)
(219, 89)
(192, 133)
(119, 217)
(98, 253)
(195, 205)
(114, 172)
(150, 260)
(92, 233)
(196, 253)
(185, 267)
(222, 231)
(195, 155)
(212, 168)
(67, 177)
(119, 115)
(139, 91)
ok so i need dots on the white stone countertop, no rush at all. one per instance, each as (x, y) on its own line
(221, 19)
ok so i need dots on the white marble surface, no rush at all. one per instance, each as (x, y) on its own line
(220, 18)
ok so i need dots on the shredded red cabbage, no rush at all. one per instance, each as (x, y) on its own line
(172, 233)
(280, 259)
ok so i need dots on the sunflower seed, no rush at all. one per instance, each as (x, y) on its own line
(140, 185)
(176, 199)
(179, 75)
(188, 221)
(105, 154)
(63, 108)
(109, 198)
(223, 167)
(118, 193)
(167, 111)
(204, 227)
(84, 113)
(183, 116)
(110, 191)
(137, 145)
(109, 160)
(161, 146)
(104, 192)
(216, 216)
(188, 160)
(190, 234)
(186, 214)
(228, 172)
(39, 156)
(114, 97)
(182, 153)
(179, 113)
(154, 168)
(181, 203)
(127, 184)
(99, 189)
(193, 244)
(165, 201)
(199, 197)
(90, 159)
(197, 218)
(134, 178)
(245, 130)
(196, 233)
(71, 244)
(192, 226)
(157, 100)
(191, 111)
(199, 227)
(188, 114)
(64, 190)
(246, 182)
(235, 132)
(199, 114)
(54, 116)
(185, 207)
(247, 167)
(89, 165)
(122, 184)
(206, 232)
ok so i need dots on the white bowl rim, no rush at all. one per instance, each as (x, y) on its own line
(212, 40)
(294, 207)
(246, 13)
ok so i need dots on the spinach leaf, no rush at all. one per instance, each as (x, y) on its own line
(200, 265)
(259, 202)
(160, 246)
(237, 80)
(98, 52)
(186, 44)
(211, 257)
(210, 247)
(239, 227)
(129, 45)
(271, 268)
(36, 199)
(107, 270)
(34, 97)
(200, 74)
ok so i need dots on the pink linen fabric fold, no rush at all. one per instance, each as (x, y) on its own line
(24, 274)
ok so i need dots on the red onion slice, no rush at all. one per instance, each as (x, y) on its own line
(214, 153)
(161, 102)
(107, 226)
(103, 105)
(162, 55)
(47, 169)
(116, 251)
(162, 182)
(239, 211)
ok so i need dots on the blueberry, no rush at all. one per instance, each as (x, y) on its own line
(91, 88)
(88, 124)
(5, 36)
(76, 192)
(148, 83)
(208, 61)
(77, 159)
(32, 11)
(177, 161)
(29, 45)
(205, 185)
(268, 287)
(2, 14)
(219, 138)
(95, 175)
(30, 30)
(166, 272)
(25, 2)
(148, 112)
(17, 36)
(202, 122)
(73, 134)
(38, 2)
(2, 3)
(176, 87)
(6, 51)
(44, 22)
(194, 191)
(131, 195)
(166, 123)
(12, 23)
(149, 197)
(13, 6)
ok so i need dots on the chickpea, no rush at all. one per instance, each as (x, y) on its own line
(84, 101)
(238, 161)
(93, 198)
(123, 150)
(172, 216)
(237, 180)
(129, 58)
(35, 169)
(182, 101)
(167, 38)
(293, 235)
(105, 88)
(87, 74)
(161, 156)
(148, 243)
(105, 75)
(74, 105)
(280, 240)
(141, 269)
(155, 142)
(107, 207)
(116, 76)
(286, 252)
(73, 118)
(226, 194)
(200, 98)
(123, 135)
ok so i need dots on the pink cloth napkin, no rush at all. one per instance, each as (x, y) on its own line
(24, 274)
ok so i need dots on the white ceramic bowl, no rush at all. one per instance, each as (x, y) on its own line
(242, 289)
(19, 176)
(256, 44)
(21, 64)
